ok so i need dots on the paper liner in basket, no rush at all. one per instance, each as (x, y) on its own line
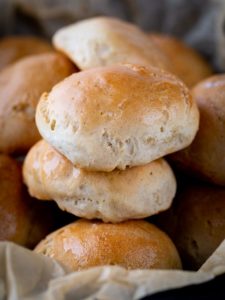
(28, 275)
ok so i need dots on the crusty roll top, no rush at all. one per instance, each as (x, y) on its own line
(132, 244)
(117, 116)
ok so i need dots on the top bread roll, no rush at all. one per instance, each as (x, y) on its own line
(104, 41)
(117, 116)
(14, 48)
(21, 85)
(206, 155)
(188, 65)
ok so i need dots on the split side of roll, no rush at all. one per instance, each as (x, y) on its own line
(111, 196)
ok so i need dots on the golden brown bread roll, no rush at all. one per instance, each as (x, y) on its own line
(113, 196)
(22, 220)
(186, 63)
(196, 222)
(131, 244)
(16, 47)
(117, 116)
(104, 41)
(21, 85)
(205, 157)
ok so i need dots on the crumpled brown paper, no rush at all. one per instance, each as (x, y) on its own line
(30, 276)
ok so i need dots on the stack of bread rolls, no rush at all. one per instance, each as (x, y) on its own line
(106, 129)
(105, 132)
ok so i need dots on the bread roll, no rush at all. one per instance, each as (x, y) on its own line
(21, 85)
(196, 222)
(104, 41)
(187, 64)
(15, 47)
(22, 220)
(132, 244)
(113, 196)
(117, 116)
(205, 157)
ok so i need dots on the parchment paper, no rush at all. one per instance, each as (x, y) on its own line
(27, 275)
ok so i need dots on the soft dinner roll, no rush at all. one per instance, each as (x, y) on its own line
(15, 47)
(113, 196)
(117, 116)
(22, 220)
(187, 64)
(196, 222)
(105, 41)
(206, 155)
(21, 85)
(132, 244)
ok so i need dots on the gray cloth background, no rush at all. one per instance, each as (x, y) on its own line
(201, 23)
